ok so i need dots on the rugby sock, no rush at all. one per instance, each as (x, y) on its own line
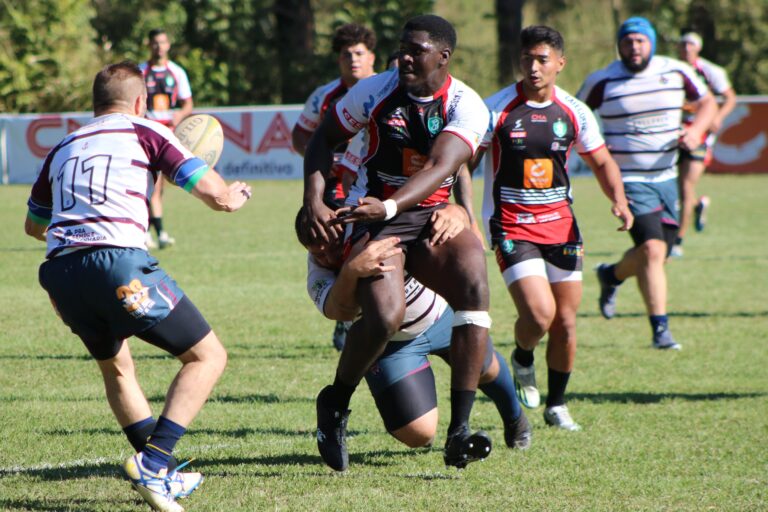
(160, 445)
(157, 223)
(461, 405)
(522, 356)
(138, 433)
(502, 392)
(341, 395)
(659, 323)
(678, 241)
(558, 381)
(611, 275)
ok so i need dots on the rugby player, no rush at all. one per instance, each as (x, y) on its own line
(640, 98)
(421, 125)
(401, 380)
(90, 204)
(694, 163)
(530, 221)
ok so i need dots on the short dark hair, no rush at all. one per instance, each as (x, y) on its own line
(156, 32)
(300, 226)
(439, 29)
(541, 34)
(352, 34)
(117, 83)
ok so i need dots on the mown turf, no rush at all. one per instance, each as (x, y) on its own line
(662, 431)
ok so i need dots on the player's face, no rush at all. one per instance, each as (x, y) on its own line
(688, 51)
(423, 64)
(160, 45)
(540, 65)
(356, 63)
(635, 51)
(327, 256)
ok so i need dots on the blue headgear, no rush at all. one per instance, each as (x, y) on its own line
(638, 25)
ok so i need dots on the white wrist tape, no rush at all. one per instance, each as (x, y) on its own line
(478, 318)
(391, 208)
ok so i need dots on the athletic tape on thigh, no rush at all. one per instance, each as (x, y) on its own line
(479, 318)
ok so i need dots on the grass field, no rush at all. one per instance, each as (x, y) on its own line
(662, 431)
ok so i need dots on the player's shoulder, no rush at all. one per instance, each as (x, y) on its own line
(175, 68)
(666, 64)
(142, 123)
(143, 65)
(380, 84)
(570, 101)
(500, 99)
(458, 87)
(710, 68)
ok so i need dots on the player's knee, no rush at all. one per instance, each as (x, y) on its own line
(653, 251)
(419, 432)
(383, 323)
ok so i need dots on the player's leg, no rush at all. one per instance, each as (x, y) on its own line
(691, 170)
(156, 214)
(456, 270)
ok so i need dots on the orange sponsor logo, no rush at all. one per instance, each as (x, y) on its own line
(538, 173)
(413, 161)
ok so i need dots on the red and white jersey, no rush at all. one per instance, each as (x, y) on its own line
(527, 189)
(402, 128)
(423, 307)
(94, 186)
(642, 114)
(714, 77)
(166, 87)
(318, 103)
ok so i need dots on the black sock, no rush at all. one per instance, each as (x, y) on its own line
(138, 433)
(341, 394)
(157, 223)
(558, 381)
(462, 401)
(611, 274)
(678, 241)
(522, 356)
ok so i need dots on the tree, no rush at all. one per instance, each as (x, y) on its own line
(509, 24)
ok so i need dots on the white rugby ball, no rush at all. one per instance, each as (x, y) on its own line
(203, 136)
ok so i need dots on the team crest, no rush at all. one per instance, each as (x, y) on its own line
(434, 125)
(560, 128)
(135, 298)
(507, 246)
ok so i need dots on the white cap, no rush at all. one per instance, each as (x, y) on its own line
(693, 38)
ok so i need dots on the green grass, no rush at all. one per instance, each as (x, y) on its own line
(662, 431)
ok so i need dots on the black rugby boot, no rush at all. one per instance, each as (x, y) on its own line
(461, 447)
(331, 433)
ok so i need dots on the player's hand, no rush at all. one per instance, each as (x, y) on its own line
(622, 212)
(691, 138)
(446, 224)
(318, 219)
(367, 259)
(368, 209)
(239, 193)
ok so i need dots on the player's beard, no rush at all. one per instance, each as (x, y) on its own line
(636, 68)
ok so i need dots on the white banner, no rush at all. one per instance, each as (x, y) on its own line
(257, 142)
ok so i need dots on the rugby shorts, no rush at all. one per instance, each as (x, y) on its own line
(651, 227)
(411, 226)
(106, 295)
(555, 262)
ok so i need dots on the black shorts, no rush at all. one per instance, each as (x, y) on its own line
(650, 227)
(411, 227)
(555, 262)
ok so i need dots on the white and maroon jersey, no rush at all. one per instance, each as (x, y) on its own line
(528, 192)
(166, 87)
(715, 78)
(423, 307)
(402, 128)
(94, 186)
(642, 114)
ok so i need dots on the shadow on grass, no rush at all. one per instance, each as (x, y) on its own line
(86, 470)
(245, 432)
(270, 398)
(84, 505)
(73, 357)
(652, 398)
(683, 314)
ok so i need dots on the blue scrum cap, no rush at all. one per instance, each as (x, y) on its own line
(638, 25)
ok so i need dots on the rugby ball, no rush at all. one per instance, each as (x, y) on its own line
(203, 136)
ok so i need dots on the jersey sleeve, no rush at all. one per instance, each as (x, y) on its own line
(354, 110)
(469, 120)
(319, 283)
(718, 79)
(353, 156)
(40, 202)
(589, 139)
(166, 154)
(309, 119)
(694, 86)
(185, 90)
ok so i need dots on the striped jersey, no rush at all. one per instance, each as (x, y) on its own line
(166, 86)
(642, 114)
(402, 128)
(93, 188)
(527, 189)
(714, 77)
(423, 307)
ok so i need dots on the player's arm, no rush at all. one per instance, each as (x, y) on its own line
(318, 161)
(300, 138)
(447, 223)
(729, 103)
(185, 110)
(706, 109)
(35, 228)
(608, 175)
(211, 189)
(365, 260)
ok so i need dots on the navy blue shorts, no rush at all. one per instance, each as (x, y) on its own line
(401, 380)
(662, 197)
(106, 295)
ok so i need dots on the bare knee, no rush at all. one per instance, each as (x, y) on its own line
(419, 432)
(208, 351)
(380, 325)
(653, 251)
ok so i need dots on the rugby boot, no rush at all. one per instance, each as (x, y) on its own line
(165, 240)
(608, 292)
(663, 340)
(525, 384)
(558, 416)
(700, 213)
(518, 433)
(153, 487)
(182, 484)
(461, 447)
(332, 433)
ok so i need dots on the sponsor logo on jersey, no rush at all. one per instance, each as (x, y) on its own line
(413, 161)
(537, 173)
(518, 125)
(316, 105)
(560, 128)
(351, 120)
(135, 298)
(317, 289)
(368, 105)
(507, 246)
(518, 135)
(434, 124)
(538, 118)
(525, 218)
